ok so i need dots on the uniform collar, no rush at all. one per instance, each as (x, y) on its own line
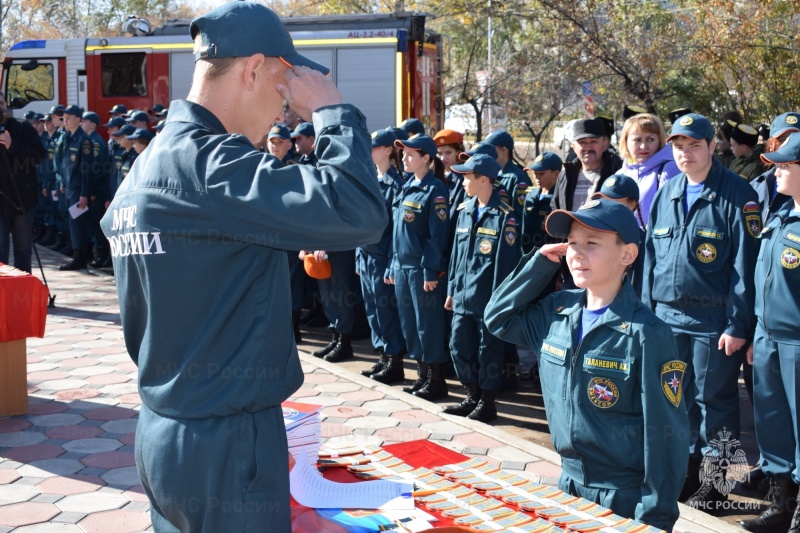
(424, 184)
(492, 206)
(618, 316)
(186, 111)
(710, 185)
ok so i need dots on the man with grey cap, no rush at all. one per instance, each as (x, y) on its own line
(199, 231)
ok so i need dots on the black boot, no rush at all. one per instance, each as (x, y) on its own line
(298, 337)
(468, 405)
(707, 498)
(436, 387)
(794, 527)
(392, 372)
(100, 257)
(322, 352)
(423, 374)
(377, 367)
(486, 410)
(779, 515)
(757, 480)
(342, 351)
(78, 262)
(49, 237)
(691, 482)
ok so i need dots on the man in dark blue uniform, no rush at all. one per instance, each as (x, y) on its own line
(303, 136)
(198, 234)
(546, 167)
(700, 254)
(77, 169)
(98, 187)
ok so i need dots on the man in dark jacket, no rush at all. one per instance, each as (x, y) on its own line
(22, 149)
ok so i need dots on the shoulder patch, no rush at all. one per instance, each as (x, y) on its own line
(753, 225)
(672, 374)
(751, 207)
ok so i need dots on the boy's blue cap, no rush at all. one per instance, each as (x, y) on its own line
(141, 134)
(600, 215)
(125, 130)
(160, 125)
(383, 138)
(57, 109)
(500, 138)
(617, 187)
(694, 126)
(400, 133)
(47, 118)
(419, 142)
(118, 109)
(162, 113)
(304, 128)
(786, 122)
(74, 110)
(546, 161)
(413, 126)
(116, 122)
(158, 108)
(30, 115)
(480, 148)
(242, 29)
(479, 164)
(279, 130)
(789, 151)
(91, 115)
(139, 115)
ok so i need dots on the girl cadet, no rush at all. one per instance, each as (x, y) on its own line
(647, 158)
(371, 263)
(419, 238)
(775, 352)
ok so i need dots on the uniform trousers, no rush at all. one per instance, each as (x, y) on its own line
(421, 315)
(380, 305)
(776, 389)
(478, 356)
(208, 475)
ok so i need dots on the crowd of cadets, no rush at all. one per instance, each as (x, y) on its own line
(460, 220)
(82, 169)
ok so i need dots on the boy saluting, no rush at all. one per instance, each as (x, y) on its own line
(610, 373)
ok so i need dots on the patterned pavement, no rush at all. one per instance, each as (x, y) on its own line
(68, 465)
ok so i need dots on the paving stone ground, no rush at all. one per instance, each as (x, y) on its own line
(68, 465)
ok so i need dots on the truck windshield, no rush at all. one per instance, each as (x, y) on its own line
(29, 82)
(124, 74)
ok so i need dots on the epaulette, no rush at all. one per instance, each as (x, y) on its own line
(462, 205)
(505, 208)
(506, 204)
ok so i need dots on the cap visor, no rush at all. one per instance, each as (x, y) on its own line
(585, 136)
(607, 196)
(782, 131)
(300, 60)
(559, 223)
(777, 157)
(461, 169)
(699, 138)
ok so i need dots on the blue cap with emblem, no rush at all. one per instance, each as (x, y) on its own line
(480, 148)
(243, 29)
(789, 151)
(279, 130)
(423, 143)
(785, 122)
(617, 187)
(139, 115)
(116, 122)
(413, 126)
(601, 215)
(500, 138)
(74, 110)
(57, 109)
(383, 138)
(694, 126)
(125, 130)
(304, 128)
(30, 115)
(481, 164)
(118, 109)
(141, 134)
(91, 116)
(47, 117)
(546, 161)
(400, 133)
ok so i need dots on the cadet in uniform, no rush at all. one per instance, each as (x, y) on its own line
(546, 167)
(512, 178)
(372, 263)
(769, 199)
(485, 251)
(127, 157)
(609, 368)
(418, 264)
(698, 277)
(63, 243)
(98, 187)
(303, 136)
(775, 353)
(198, 234)
(47, 178)
(279, 143)
(747, 152)
(77, 170)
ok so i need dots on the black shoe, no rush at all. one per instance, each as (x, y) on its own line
(468, 405)
(77, 263)
(757, 480)
(392, 372)
(794, 527)
(707, 499)
(486, 411)
(98, 261)
(342, 351)
(691, 482)
(778, 517)
(377, 367)
(328, 348)
(423, 374)
(433, 390)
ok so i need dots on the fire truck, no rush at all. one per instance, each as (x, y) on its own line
(388, 65)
